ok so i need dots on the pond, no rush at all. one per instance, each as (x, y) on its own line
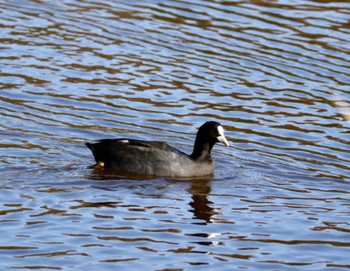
(275, 74)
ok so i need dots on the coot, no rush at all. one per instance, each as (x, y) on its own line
(158, 158)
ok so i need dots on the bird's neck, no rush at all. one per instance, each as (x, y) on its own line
(201, 150)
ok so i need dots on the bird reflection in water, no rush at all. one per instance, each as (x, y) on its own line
(201, 206)
(203, 213)
(199, 189)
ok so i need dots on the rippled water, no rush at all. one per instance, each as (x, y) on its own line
(276, 74)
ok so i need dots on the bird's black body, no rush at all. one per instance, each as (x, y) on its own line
(158, 158)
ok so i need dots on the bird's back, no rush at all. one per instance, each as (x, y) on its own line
(147, 157)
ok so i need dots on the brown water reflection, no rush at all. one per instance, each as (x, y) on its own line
(275, 74)
(200, 203)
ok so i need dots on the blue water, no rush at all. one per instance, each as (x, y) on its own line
(275, 74)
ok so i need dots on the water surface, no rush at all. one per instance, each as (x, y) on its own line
(274, 73)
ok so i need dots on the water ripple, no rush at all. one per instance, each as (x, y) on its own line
(276, 75)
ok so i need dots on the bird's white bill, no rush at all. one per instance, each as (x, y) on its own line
(221, 136)
(223, 140)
